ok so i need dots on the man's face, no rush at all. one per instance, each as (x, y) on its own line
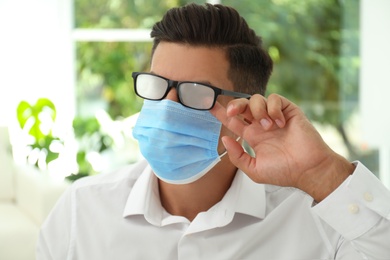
(181, 62)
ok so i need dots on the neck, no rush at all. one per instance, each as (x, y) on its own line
(189, 200)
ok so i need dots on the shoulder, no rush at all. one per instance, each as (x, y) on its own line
(101, 194)
(123, 178)
(128, 172)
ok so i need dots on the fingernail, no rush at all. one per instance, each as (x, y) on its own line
(265, 123)
(223, 142)
(229, 109)
(279, 123)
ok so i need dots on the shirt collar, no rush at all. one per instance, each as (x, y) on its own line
(144, 198)
(244, 196)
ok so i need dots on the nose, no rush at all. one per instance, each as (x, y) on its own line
(172, 95)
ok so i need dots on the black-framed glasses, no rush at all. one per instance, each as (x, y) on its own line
(194, 95)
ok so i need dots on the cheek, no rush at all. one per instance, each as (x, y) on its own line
(224, 100)
(224, 132)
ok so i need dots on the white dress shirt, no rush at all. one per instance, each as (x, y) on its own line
(119, 216)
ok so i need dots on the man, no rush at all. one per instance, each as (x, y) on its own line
(295, 199)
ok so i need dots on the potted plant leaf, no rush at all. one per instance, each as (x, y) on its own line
(37, 120)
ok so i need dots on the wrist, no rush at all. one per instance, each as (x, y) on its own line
(328, 177)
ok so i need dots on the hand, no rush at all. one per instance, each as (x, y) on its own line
(288, 149)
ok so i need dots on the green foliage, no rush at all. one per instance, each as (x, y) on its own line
(111, 64)
(37, 121)
(90, 129)
(120, 13)
(315, 51)
(104, 68)
(91, 138)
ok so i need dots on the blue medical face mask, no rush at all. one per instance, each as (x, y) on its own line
(179, 143)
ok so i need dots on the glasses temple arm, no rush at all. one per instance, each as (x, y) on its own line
(234, 94)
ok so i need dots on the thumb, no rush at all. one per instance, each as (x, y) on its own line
(237, 154)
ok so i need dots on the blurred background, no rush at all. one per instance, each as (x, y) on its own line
(67, 105)
(79, 55)
(67, 93)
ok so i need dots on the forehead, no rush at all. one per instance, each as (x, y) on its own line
(184, 62)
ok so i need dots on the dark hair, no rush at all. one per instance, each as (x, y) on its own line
(221, 27)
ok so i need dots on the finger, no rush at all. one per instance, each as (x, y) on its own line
(234, 124)
(239, 107)
(254, 109)
(258, 107)
(275, 106)
(238, 156)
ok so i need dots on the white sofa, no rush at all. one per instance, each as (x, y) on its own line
(26, 197)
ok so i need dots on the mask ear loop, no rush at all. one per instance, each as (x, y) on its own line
(225, 152)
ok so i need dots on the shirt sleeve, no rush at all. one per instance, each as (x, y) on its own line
(359, 210)
(55, 233)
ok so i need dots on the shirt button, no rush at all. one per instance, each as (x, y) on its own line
(368, 196)
(353, 208)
